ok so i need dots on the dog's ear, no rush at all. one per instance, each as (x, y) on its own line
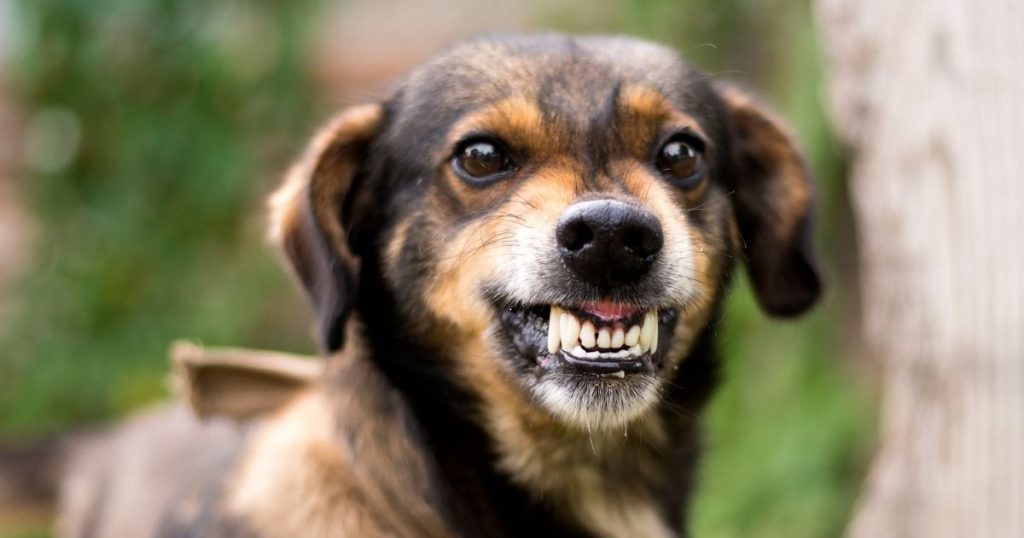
(774, 198)
(308, 217)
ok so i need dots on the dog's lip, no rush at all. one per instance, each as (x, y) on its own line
(606, 366)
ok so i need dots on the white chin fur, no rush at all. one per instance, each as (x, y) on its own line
(597, 404)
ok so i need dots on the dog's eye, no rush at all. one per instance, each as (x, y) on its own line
(481, 159)
(681, 160)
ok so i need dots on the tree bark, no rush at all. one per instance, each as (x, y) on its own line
(930, 96)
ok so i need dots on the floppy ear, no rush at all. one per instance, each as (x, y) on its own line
(308, 213)
(774, 200)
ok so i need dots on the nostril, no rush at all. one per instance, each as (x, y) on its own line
(575, 235)
(643, 241)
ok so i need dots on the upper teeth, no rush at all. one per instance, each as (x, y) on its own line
(566, 331)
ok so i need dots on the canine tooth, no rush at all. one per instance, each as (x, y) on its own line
(636, 350)
(620, 374)
(554, 332)
(570, 330)
(646, 332)
(587, 337)
(618, 338)
(649, 331)
(579, 352)
(604, 338)
(633, 335)
(654, 334)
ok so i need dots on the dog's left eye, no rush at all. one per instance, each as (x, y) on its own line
(481, 159)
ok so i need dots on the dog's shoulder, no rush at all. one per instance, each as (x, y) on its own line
(337, 461)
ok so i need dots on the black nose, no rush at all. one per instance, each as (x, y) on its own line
(608, 243)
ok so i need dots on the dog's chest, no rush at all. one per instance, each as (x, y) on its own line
(598, 507)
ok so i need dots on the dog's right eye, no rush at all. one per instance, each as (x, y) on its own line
(681, 160)
(481, 159)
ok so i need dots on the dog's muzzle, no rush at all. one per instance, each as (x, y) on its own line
(608, 248)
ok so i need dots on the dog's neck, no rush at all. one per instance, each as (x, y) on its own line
(502, 464)
(612, 481)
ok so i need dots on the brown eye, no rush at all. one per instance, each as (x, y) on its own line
(481, 159)
(680, 160)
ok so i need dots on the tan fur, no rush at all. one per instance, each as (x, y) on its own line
(479, 252)
(336, 466)
(644, 111)
(517, 119)
(393, 250)
(286, 203)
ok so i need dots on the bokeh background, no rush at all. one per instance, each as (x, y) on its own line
(138, 139)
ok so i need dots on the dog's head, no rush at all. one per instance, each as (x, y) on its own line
(556, 217)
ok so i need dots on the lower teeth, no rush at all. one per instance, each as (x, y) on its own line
(581, 353)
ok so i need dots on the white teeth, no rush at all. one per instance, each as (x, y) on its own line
(620, 374)
(618, 338)
(584, 354)
(632, 336)
(645, 336)
(648, 330)
(570, 331)
(567, 332)
(587, 337)
(554, 332)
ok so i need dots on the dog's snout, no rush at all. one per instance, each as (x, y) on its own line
(608, 243)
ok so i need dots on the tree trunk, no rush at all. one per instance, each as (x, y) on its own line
(930, 96)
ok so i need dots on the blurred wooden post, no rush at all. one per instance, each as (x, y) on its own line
(930, 96)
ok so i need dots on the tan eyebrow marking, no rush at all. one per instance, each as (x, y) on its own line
(517, 120)
(644, 111)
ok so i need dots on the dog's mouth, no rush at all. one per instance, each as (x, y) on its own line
(599, 338)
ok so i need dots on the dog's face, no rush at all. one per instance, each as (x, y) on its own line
(556, 217)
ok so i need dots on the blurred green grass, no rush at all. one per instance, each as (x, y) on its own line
(181, 116)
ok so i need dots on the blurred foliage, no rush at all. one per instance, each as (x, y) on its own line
(156, 126)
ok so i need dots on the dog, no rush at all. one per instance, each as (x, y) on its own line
(515, 261)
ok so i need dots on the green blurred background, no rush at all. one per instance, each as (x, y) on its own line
(143, 135)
